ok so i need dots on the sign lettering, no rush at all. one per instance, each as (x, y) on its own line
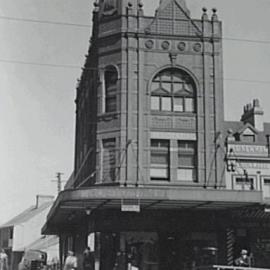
(247, 150)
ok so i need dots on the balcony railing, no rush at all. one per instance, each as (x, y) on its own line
(225, 267)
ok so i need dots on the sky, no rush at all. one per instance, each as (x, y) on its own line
(37, 107)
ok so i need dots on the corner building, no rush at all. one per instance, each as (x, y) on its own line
(149, 188)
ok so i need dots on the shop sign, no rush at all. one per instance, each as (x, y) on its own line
(248, 150)
(254, 165)
(130, 208)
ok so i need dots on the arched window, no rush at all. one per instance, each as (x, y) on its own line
(173, 90)
(111, 77)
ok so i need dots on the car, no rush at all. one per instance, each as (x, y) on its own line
(33, 260)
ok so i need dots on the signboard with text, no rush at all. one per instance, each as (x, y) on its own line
(247, 150)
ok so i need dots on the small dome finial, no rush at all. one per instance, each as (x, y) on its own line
(204, 16)
(214, 16)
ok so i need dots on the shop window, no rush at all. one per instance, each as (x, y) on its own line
(173, 90)
(108, 160)
(160, 160)
(111, 78)
(187, 161)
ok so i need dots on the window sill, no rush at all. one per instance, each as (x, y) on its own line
(190, 114)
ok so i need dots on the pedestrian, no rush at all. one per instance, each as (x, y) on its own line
(88, 259)
(243, 260)
(71, 262)
(3, 260)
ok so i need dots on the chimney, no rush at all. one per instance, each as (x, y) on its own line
(41, 199)
(253, 114)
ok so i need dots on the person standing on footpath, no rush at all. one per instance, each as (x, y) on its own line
(243, 260)
(71, 262)
(88, 259)
(3, 260)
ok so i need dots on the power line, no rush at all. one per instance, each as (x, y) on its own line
(94, 69)
(38, 64)
(89, 25)
(248, 81)
(44, 22)
(247, 40)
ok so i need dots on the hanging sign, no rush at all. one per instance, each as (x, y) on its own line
(130, 206)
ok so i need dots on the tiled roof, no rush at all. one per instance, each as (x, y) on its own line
(26, 215)
(238, 126)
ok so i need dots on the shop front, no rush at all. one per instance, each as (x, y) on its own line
(150, 229)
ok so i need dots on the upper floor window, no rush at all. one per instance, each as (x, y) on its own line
(173, 90)
(248, 138)
(111, 78)
(187, 161)
(160, 159)
(108, 160)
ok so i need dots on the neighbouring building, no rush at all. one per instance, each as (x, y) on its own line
(161, 180)
(19, 233)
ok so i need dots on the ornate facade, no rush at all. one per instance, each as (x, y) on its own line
(161, 181)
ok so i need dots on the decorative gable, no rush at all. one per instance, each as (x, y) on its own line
(247, 134)
(169, 8)
(248, 131)
(173, 18)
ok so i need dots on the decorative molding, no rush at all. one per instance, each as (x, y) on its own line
(173, 136)
(197, 47)
(182, 46)
(165, 45)
(149, 44)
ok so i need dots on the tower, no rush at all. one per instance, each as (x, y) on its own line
(150, 99)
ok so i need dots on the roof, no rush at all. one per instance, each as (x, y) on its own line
(26, 215)
(44, 242)
(239, 126)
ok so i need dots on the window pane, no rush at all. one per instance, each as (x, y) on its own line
(189, 104)
(155, 86)
(186, 161)
(166, 86)
(159, 173)
(177, 77)
(110, 105)
(178, 105)
(166, 76)
(248, 138)
(177, 88)
(186, 147)
(159, 158)
(166, 104)
(189, 88)
(108, 160)
(161, 144)
(155, 103)
(186, 175)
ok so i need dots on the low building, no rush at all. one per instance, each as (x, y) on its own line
(20, 232)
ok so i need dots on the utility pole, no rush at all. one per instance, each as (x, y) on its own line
(59, 181)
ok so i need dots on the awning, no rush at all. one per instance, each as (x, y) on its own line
(148, 198)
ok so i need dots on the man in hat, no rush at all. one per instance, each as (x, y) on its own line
(243, 260)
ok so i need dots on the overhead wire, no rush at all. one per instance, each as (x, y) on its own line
(80, 25)
(67, 66)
